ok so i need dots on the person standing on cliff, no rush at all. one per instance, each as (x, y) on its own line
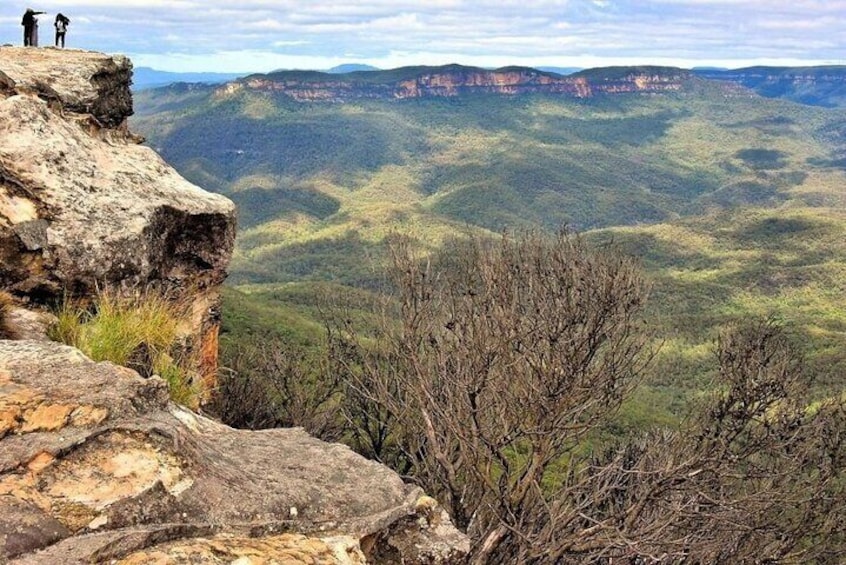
(30, 25)
(61, 25)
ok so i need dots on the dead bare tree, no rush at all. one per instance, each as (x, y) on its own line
(502, 362)
(269, 383)
(758, 477)
(507, 355)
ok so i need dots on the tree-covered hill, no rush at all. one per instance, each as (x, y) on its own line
(734, 202)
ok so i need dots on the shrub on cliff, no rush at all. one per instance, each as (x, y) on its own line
(142, 332)
(268, 383)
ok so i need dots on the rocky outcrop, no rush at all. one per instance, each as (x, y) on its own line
(83, 205)
(82, 82)
(97, 465)
(457, 80)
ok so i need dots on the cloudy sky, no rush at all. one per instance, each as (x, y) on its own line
(261, 35)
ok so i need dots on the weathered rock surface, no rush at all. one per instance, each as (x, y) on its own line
(100, 466)
(78, 208)
(83, 206)
(83, 82)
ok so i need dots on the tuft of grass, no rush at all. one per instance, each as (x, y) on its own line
(141, 331)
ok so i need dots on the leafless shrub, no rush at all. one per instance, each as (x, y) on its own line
(500, 366)
(758, 477)
(492, 367)
(508, 355)
(269, 384)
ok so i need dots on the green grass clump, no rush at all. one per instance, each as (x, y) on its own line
(143, 332)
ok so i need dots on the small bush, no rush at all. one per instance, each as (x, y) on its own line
(141, 332)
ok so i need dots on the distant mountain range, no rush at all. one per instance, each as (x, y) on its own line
(818, 86)
(561, 70)
(733, 202)
(457, 80)
(351, 68)
(145, 77)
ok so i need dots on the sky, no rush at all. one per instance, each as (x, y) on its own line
(260, 36)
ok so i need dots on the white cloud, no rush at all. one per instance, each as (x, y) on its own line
(268, 34)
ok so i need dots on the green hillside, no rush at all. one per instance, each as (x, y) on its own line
(734, 202)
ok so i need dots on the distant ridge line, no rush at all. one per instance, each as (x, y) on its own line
(455, 80)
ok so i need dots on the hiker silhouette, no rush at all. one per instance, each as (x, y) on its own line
(30, 25)
(61, 25)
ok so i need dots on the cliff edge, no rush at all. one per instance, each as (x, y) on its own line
(96, 463)
(84, 206)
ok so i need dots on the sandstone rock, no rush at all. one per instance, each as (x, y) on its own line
(30, 324)
(290, 549)
(103, 460)
(83, 207)
(84, 82)
(25, 528)
(75, 210)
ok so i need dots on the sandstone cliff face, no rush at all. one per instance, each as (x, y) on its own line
(97, 465)
(83, 205)
(456, 80)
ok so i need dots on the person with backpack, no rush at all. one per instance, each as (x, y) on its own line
(61, 25)
(30, 25)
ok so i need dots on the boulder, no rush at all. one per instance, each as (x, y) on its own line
(84, 206)
(101, 466)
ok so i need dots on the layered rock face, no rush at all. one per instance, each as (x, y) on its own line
(83, 206)
(97, 465)
(457, 80)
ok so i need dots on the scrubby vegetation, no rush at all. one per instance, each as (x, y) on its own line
(141, 331)
(493, 376)
(730, 447)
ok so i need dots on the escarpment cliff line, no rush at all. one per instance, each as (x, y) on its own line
(457, 80)
(84, 206)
